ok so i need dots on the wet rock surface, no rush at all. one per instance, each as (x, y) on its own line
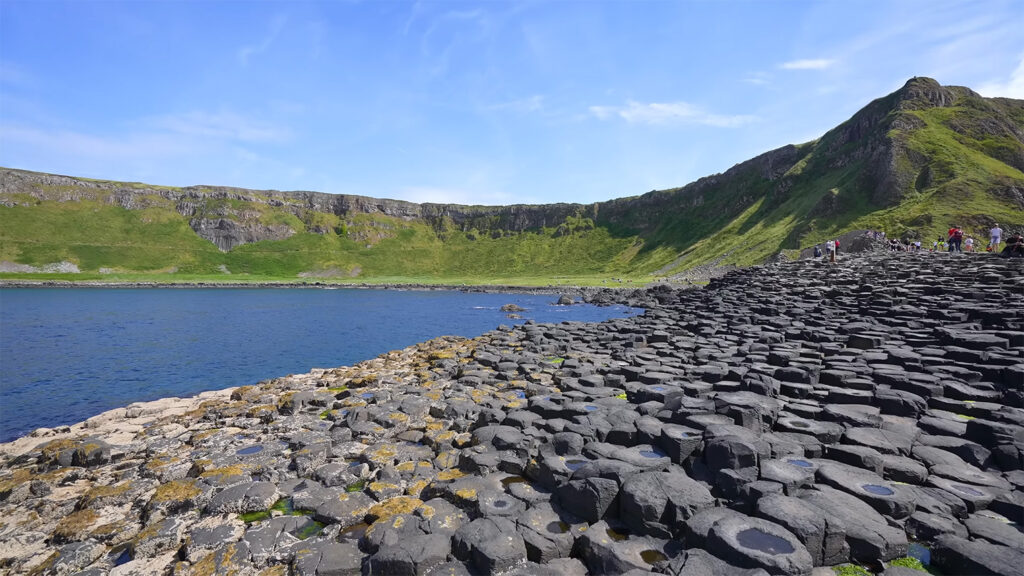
(782, 418)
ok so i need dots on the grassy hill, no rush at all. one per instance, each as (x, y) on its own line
(911, 163)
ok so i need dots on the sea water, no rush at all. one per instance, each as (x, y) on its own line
(70, 353)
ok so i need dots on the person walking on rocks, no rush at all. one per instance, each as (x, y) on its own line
(1014, 247)
(817, 251)
(830, 249)
(956, 237)
(995, 235)
(969, 244)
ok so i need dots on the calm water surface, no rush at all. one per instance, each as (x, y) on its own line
(68, 354)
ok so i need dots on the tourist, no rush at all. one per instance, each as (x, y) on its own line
(917, 246)
(969, 244)
(1014, 247)
(830, 249)
(817, 251)
(956, 238)
(995, 235)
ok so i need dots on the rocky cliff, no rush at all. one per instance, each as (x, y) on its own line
(214, 214)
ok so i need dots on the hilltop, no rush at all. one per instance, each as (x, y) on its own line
(910, 163)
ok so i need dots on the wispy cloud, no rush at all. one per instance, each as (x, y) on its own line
(276, 26)
(221, 125)
(757, 78)
(810, 64)
(533, 103)
(163, 138)
(13, 75)
(1012, 87)
(655, 113)
(448, 33)
(81, 145)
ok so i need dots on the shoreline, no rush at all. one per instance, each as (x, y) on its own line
(486, 288)
(117, 424)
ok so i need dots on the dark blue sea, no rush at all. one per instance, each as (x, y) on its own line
(68, 354)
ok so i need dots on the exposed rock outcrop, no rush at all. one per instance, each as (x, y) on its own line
(782, 418)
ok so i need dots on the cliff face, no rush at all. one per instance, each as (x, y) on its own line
(213, 214)
(906, 162)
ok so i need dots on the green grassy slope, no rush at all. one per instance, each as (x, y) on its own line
(911, 163)
(158, 240)
(902, 165)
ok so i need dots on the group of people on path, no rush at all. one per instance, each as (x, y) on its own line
(831, 249)
(955, 241)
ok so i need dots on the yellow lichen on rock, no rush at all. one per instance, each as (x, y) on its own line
(416, 488)
(223, 473)
(176, 491)
(260, 410)
(18, 477)
(382, 455)
(75, 524)
(382, 486)
(466, 494)
(383, 511)
(450, 474)
(101, 492)
(278, 570)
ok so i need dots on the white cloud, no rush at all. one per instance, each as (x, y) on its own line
(655, 113)
(522, 105)
(170, 138)
(1012, 87)
(77, 144)
(246, 52)
(757, 79)
(812, 64)
(221, 125)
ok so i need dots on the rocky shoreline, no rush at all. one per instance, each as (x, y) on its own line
(600, 295)
(781, 420)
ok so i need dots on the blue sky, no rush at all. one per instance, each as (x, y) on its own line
(483, 103)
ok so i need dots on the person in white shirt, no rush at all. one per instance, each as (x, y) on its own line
(969, 244)
(995, 235)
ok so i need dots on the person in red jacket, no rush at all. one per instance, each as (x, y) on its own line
(955, 238)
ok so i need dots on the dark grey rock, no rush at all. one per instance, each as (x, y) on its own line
(869, 535)
(590, 498)
(757, 543)
(824, 538)
(955, 555)
(414, 556)
(490, 544)
(653, 502)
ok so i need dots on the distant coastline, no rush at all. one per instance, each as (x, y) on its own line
(624, 293)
